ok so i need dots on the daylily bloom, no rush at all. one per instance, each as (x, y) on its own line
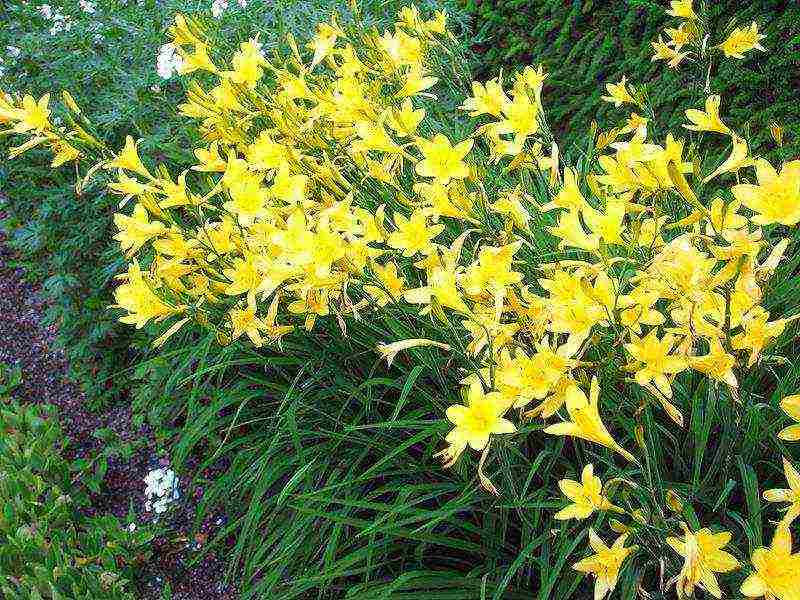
(586, 423)
(605, 564)
(791, 406)
(586, 495)
(791, 495)
(703, 557)
(777, 570)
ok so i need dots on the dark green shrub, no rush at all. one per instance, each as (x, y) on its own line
(584, 44)
(48, 548)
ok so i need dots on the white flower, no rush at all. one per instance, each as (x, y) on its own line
(87, 6)
(161, 490)
(13, 51)
(46, 11)
(132, 527)
(242, 3)
(218, 7)
(168, 61)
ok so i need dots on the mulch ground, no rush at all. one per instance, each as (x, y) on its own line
(25, 342)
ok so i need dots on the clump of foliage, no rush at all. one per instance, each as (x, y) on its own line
(583, 44)
(595, 334)
(107, 58)
(48, 548)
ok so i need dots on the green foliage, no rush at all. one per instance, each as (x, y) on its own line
(107, 60)
(48, 548)
(585, 44)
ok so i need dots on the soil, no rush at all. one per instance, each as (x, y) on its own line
(27, 343)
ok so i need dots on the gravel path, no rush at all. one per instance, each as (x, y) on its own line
(25, 342)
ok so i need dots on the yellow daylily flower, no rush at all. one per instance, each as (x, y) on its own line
(605, 563)
(682, 9)
(442, 160)
(586, 422)
(791, 406)
(776, 198)
(475, 422)
(791, 495)
(586, 495)
(742, 40)
(703, 558)
(654, 360)
(708, 120)
(618, 93)
(777, 570)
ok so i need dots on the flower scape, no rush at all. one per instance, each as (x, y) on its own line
(325, 188)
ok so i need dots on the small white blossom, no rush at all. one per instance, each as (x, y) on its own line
(13, 51)
(87, 6)
(218, 7)
(168, 61)
(161, 489)
(46, 11)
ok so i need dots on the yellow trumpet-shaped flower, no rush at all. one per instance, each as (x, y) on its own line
(791, 495)
(586, 495)
(32, 115)
(708, 120)
(586, 422)
(758, 332)
(682, 9)
(404, 121)
(618, 93)
(776, 198)
(128, 159)
(605, 563)
(475, 422)
(791, 406)
(414, 234)
(245, 321)
(777, 570)
(324, 41)
(703, 557)
(136, 230)
(741, 41)
(137, 298)
(416, 81)
(520, 117)
(247, 64)
(442, 287)
(738, 159)
(679, 36)
(487, 99)
(663, 51)
(569, 196)
(717, 364)
(654, 361)
(443, 160)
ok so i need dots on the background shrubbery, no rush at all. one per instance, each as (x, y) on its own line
(585, 44)
(48, 548)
